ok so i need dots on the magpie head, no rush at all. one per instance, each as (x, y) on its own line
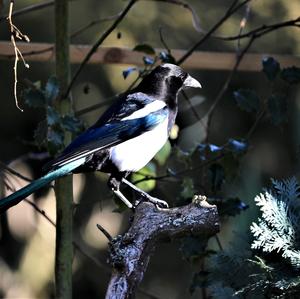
(167, 80)
(177, 78)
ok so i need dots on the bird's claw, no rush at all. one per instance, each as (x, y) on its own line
(160, 204)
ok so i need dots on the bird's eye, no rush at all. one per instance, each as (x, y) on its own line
(174, 82)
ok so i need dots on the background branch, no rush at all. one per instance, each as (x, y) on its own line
(28, 9)
(63, 186)
(130, 253)
(230, 11)
(99, 42)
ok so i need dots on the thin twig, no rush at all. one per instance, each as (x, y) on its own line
(28, 9)
(182, 171)
(14, 172)
(75, 244)
(262, 30)
(195, 112)
(195, 18)
(15, 33)
(232, 9)
(104, 232)
(226, 84)
(255, 124)
(99, 42)
(163, 40)
(243, 24)
(93, 23)
(219, 242)
(40, 211)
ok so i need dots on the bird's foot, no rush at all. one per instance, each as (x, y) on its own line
(160, 204)
(146, 197)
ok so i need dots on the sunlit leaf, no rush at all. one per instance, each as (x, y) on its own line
(271, 67)
(237, 146)
(128, 71)
(247, 100)
(148, 60)
(214, 148)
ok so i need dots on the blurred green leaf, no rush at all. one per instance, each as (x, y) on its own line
(148, 170)
(162, 156)
(278, 108)
(51, 89)
(145, 48)
(271, 67)
(34, 98)
(291, 75)
(247, 100)
(188, 190)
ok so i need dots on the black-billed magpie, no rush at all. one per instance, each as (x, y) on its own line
(125, 138)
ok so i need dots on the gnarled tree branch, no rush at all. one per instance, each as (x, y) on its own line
(130, 253)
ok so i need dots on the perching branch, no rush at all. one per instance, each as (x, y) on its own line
(130, 253)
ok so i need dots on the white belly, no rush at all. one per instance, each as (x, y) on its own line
(134, 154)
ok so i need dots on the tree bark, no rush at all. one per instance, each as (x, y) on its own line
(130, 253)
(63, 186)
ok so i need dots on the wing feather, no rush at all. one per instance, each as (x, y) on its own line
(102, 137)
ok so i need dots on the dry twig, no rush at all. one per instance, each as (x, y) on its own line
(15, 33)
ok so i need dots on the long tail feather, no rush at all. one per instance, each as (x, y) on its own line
(19, 195)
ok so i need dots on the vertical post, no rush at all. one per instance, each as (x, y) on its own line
(63, 186)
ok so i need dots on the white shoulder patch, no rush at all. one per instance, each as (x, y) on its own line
(151, 107)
